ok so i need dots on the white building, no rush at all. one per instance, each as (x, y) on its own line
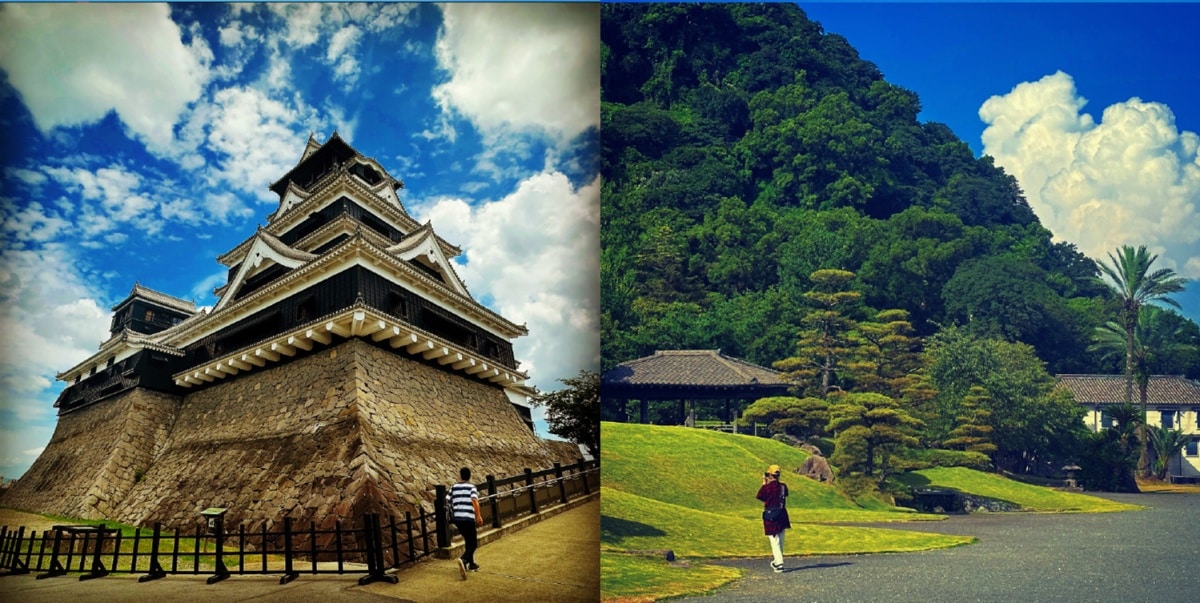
(1171, 401)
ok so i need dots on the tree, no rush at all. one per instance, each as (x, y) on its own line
(1156, 339)
(1033, 424)
(868, 427)
(574, 412)
(1129, 276)
(1167, 443)
(973, 432)
(793, 416)
(889, 354)
(826, 342)
(1114, 450)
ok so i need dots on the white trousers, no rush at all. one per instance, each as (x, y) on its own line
(777, 546)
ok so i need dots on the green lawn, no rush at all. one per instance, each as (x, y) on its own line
(1026, 496)
(692, 491)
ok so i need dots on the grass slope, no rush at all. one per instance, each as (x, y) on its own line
(692, 491)
(1026, 496)
(711, 471)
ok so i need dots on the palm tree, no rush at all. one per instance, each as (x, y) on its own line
(1155, 338)
(1167, 442)
(1130, 278)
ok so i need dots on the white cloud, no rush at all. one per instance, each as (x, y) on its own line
(257, 138)
(74, 63)
(53, 320)
(1131, 179)
(30, 177)
(535, 253)
(522, 68)
(33, 223)
(340, 53)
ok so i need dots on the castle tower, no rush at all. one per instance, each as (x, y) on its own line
(344, 368)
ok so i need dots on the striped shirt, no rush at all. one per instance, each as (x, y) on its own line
(459, 498)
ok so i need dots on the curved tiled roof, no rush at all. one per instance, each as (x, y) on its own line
(702, 368)
(1110, 389)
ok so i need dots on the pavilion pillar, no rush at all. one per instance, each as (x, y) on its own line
(727, 416)
(644, 411)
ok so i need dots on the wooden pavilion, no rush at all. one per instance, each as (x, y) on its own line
(688, 376)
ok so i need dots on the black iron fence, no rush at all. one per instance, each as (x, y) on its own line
(369, 546)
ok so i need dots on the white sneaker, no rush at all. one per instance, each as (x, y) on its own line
(462, 569)
(778, 567)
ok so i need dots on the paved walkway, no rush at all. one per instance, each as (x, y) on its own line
(556, 561)
(1149, 555)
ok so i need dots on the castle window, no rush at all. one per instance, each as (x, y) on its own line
(110, 362)
(149, 315)
(397, 305)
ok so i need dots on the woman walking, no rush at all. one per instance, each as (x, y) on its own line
(773, 495)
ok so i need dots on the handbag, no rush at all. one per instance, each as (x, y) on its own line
(774, 515)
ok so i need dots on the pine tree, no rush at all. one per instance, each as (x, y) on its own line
(973, 433)
(827, 340)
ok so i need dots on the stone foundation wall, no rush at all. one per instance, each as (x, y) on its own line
(330, 436)
(96, 456)
(343, 431)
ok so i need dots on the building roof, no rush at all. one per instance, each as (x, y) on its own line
(157, 297)
(708, 368)
(1110, 389)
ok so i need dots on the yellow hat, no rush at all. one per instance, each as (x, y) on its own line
(773, 469)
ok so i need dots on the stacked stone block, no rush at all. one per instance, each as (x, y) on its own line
(343, 431)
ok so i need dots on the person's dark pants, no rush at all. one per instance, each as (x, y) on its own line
(467, 529)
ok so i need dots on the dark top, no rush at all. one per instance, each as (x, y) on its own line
(773, 494)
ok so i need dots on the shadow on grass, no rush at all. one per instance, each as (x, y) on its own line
(614, 529)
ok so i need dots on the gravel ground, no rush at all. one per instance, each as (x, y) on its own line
(1149, 555)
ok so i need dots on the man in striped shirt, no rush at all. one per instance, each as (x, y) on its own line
(463, 500)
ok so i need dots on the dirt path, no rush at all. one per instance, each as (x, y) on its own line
(16, 519)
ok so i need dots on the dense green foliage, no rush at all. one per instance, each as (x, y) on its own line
(744, 149)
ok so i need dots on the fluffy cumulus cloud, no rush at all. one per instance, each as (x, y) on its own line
(517, 68)
(535, 255)
(257, 139)
(1133, 178)
(73, 64)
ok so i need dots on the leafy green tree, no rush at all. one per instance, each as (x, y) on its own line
(1033, 423)
(825, 342)
(574, 412)
(868, 427)
(799, 417)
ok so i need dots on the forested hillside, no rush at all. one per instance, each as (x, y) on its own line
(745, 148)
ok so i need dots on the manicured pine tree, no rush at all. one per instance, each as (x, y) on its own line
(973, 433)
(827, 341)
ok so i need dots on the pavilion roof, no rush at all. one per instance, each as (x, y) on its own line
(1110, 389)
(691, 368)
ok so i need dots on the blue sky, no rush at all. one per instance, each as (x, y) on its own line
(140, 140)
(1093, 107)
